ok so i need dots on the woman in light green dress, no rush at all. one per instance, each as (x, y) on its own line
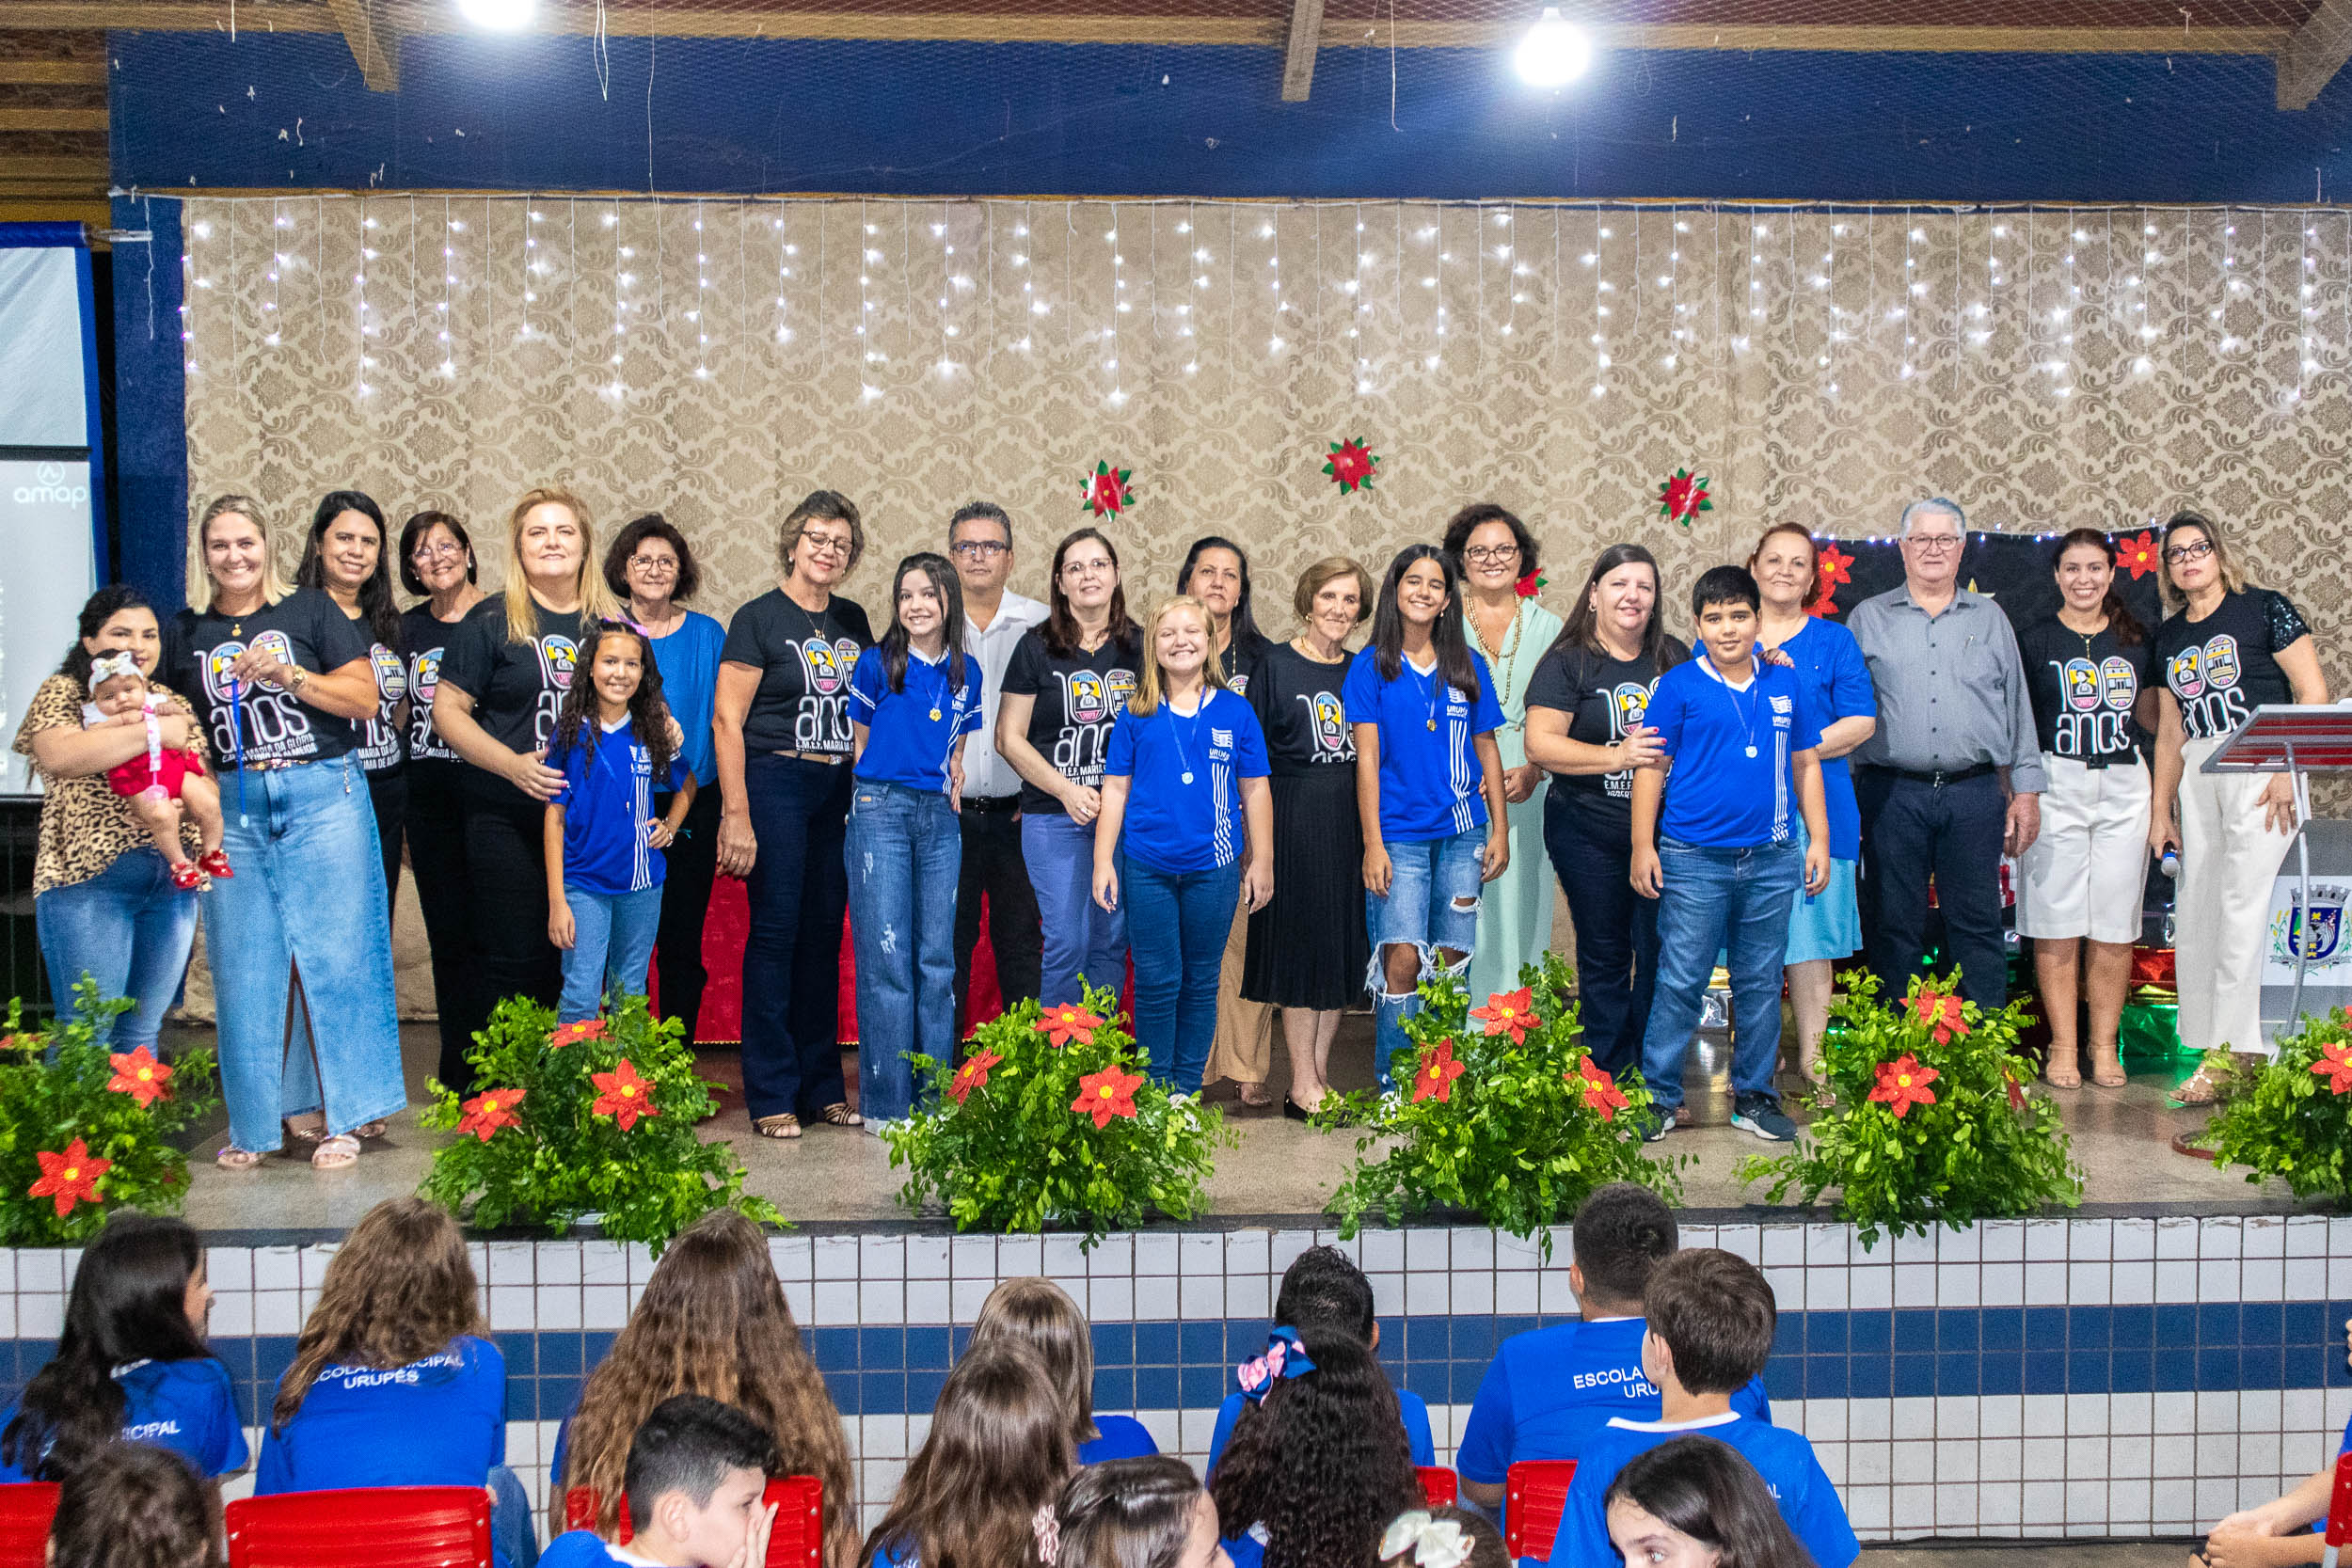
(1499, 558)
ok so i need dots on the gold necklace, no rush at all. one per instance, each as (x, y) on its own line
(1508, 658)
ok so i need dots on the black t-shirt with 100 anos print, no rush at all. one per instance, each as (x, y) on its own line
(1077, 700)
(2083, 689)
(2221, 668)
(517, 687)
(804, 662)
(265, 722)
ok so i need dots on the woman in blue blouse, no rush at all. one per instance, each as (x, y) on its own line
(914, 699)
(1824, 927)
(1185, 781)
(651, 568)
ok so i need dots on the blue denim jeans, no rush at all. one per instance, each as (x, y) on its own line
(513, 1534)
(307, 898)
(905, 852)
(1729, 901)
(1176, 976)
(1432, 903)
(1083, 940)
(129, 929)
(611, 944)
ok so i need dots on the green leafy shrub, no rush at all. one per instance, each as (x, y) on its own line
(1053, 1120)
(1934, 1120)
(2292, 1118)
(1505, 1114)
(90, 1131)
(595, 1118)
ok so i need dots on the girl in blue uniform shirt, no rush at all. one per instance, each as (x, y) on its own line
(1185, 780)
(914, 699)
(131, 1363)
(1428, 787)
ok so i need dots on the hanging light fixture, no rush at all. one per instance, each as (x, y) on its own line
(498, 16)
(1554, 53)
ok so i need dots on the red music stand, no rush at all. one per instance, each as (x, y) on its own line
(2290, 738)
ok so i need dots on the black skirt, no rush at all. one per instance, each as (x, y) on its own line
(1309, 947)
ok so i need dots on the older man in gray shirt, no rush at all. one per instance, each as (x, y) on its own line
(1952, 776)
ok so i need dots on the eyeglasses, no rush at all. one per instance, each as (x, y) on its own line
(1086, 568)
(447, 551)
(832, 544)
(980, 550)
(2197, 551)
(653, 563)
(1934, 544)
(1492, 555)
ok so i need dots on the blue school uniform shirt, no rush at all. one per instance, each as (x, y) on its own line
(689, 662)
(911, 735)
(1431, 784)
(1175, 825)
(1793, 1476)
(1835, 680)
(607, 805)
(185, 1407)
(580, 1548)
(1116, 1437)
(1550, 1389)
(1716, 794)
(440, 1422)
(1410, 1407)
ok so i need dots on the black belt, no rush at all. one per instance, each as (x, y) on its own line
(1936, 778)
(993, 805)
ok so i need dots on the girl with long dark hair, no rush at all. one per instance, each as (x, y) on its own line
(131, 1363)
(134, 1507)
(913, 701)
(348, 557)
(980, 1493)
(1428, 787)
(1148, 1511)
(1693, 1501)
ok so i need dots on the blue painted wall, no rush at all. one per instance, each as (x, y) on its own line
(151, 453)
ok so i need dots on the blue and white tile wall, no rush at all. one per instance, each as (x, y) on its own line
(2090, 1376)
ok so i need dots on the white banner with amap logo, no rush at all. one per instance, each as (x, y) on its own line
(45, 540)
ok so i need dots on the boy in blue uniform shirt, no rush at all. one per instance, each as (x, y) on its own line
(1710, 1322)
(1715, 844)
(696, 1472)
(1551, 1389)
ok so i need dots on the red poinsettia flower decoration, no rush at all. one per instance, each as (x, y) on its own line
(2335, 1064)
(972, 1074)
(1067, 1022)
(1943, 1013)
(1509, 1012)
(576, 1030)
(70, 1178)
(1107, 1094)
(1904, 1082)
(1833, 566)
(138, 1075)
(2138, 555)
(1438, 1069)
(1105, 491)
(1532, 584)
(1683, 496)
(622, 1094)
(1601, 1089)
(488, 1111)
(1351, 466)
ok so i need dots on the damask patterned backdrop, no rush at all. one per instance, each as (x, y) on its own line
(718, 359)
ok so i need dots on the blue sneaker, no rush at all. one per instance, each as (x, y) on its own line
(1761, 1115)
(1661, 1121)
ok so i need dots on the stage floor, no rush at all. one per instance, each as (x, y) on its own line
(1281, 1170)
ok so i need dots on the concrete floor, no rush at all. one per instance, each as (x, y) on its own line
(1281, 1169)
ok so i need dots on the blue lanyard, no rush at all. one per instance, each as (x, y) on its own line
(1184, 757)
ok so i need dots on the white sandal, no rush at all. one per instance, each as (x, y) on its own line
(340, 1152)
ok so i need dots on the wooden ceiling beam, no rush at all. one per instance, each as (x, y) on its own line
(2318, 49)
(53, 120)
(375, 42)
(1298, 59)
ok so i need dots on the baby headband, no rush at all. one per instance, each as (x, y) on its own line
(1434, 1542)
(1285, 1357)
(105, 667)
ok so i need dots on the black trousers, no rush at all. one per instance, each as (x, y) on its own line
(691, 864)
(436, 826)
(507, 898)
(388, 794)
(993, 866)
(1910, 830)
(1616, 932)
(798, 890)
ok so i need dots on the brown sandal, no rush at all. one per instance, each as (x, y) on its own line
(785, 1126)
(1256, 1094)
(839, 1115)
(2107, 1069)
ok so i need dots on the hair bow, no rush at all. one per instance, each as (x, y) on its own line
(1434, 1542)
(1285, 1357)
(105, 667)
(1045, 1530)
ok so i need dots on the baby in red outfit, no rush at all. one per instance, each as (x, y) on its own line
(160, 782)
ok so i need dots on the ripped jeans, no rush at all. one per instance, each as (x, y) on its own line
(904, 854)
(1432, 903)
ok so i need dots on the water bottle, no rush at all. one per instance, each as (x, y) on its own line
(2171, 862)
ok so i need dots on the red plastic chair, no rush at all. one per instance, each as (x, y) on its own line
(2338, 1512)
(797, 1540)
(1438, 1484)
(1534, 1492)
(25, 1510)
(376, 1526)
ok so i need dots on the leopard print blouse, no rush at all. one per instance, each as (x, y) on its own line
(85, 826)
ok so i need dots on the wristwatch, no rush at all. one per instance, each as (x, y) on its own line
(300, 675)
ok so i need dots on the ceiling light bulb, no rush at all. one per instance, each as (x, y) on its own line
(503, 16)
(1553, 54)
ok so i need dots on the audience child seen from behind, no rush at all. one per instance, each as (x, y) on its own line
(1710, 1322)
(162, 782)
(1139, 1513)
(1447, 1537)
(613, 745)
(131, 1506)
(131, 1363)
(697, 1470)
(981, 1491)
(2289, 1529)
(1550, 1388)
(1323, 1290)
(1038, 1314)
(712, 1320)
(1319, 1466)
(1693, 1502)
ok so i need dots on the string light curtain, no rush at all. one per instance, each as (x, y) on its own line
(716, 359)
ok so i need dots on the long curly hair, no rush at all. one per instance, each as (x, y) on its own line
(400, 1289)
(713, 1321)
(576, 721)
(999, 1449)
(1323, 1464)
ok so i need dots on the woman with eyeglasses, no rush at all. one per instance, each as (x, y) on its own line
(652, 569)
(2227, 648)
(782, 733)
(1498, 560)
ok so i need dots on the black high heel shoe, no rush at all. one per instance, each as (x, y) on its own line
(1293, 1111)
